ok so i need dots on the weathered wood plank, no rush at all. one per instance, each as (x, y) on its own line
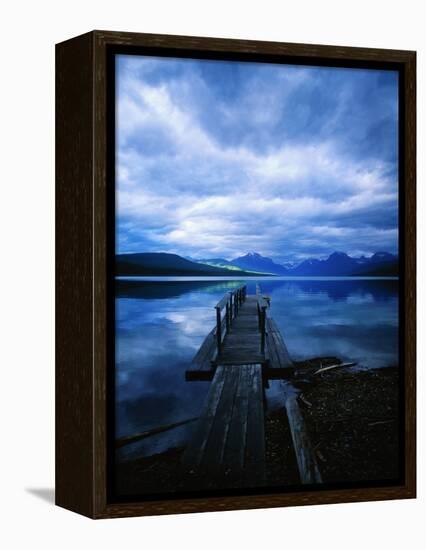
(306, 460)
(206, 350)
(255, 446)
(201, 365)
(194, 452)
(212, 460)
(230, 449)
(277, 353)
(234, 454)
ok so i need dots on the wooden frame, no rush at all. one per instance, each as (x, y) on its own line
(81, 271)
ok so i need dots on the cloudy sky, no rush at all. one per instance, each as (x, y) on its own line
(215, 159)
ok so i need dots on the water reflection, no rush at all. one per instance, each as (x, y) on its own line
(160, 325)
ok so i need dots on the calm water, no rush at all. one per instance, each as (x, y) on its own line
(161, 322)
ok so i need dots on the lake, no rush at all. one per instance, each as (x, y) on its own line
(161, 322)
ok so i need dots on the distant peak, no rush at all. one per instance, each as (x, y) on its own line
(338, 255)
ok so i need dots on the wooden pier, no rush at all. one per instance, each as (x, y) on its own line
(229, 443)
(242, 351)
(244, 334)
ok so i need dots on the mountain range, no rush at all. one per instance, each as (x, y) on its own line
(337, 264)
(161, 263)
(253, 263)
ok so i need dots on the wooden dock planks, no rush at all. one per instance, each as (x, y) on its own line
(228, 445)
(279, 363)
(242, 344)
(201, 366)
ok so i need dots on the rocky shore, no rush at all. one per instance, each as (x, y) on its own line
(352, 420)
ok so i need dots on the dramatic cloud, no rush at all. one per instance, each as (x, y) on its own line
(219, 158)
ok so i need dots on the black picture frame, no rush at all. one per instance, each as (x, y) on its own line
(85, 233)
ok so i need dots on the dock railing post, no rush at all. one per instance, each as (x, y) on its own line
(228, 321)
(263, 329)
(218, 329)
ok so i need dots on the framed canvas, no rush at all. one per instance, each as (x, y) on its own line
(235, 274)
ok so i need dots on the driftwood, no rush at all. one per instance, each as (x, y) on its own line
(381, 422)
(305, 454)
(336, 366)
(142, 435)
(303, 399)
